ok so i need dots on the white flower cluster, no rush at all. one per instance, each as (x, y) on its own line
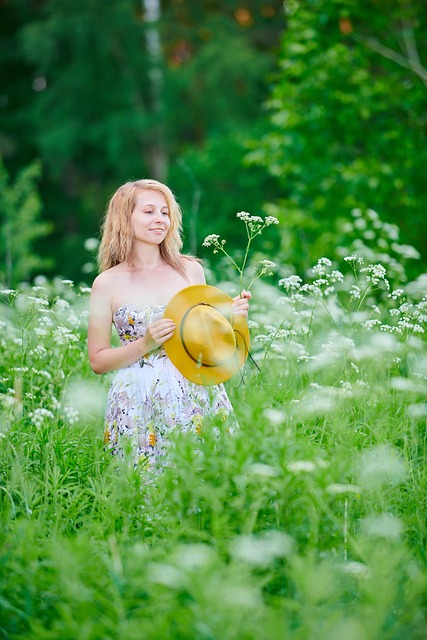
(320, 268)
(398, 293)
(8, 292)
(291, 283)
(266, 266)
(38, 416)
(38, 302)
(255, 223)
(63, 335)
(71, 415)
(212, 239)
(375, 273)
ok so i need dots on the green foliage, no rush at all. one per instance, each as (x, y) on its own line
(347, 125)
(80, 96)
(212, 184)
(20, 225)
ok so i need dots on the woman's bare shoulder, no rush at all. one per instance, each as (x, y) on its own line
(194, 270)
(107, 278)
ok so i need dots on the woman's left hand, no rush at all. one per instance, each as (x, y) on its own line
(241, 304)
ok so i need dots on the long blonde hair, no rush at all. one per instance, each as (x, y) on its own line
(117, 242)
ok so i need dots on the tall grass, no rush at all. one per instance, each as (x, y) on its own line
(307, 522)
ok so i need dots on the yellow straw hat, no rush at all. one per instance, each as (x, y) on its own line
(210, 343)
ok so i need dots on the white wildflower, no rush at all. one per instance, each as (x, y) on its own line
(353, 258)
(211, 239)
(71, 415)
(63, 335)
(88, 267)
(384, 525)
(38, 301)
(271, 220)
(369, 234)
(61, 304)
(340, 489)
(391, 230)
(320, 267)
(275, 416)
(261, 469)
(375, 273)
(301, 465)
(9, 292)
(371, 324)
(360, 224)
(354, 568)
(336, 276)
(406, 251)
(91, 244)
(263, 549)
(292, 283)
(38, 416)
(371, 214)
(244, 215)
(267, 264)
(252, 324)
(38, 350)
(397, 293)
(42, 373)
(355, 292)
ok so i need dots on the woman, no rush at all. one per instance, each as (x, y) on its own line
(141, 270)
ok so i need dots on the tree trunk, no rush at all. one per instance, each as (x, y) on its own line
(157, 157)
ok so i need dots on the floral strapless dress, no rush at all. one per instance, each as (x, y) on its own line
(150, 398)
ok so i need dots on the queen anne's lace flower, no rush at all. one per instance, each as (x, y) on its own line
(271, 220)
(211, 239)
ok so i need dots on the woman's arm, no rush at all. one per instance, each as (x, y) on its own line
(102, 356)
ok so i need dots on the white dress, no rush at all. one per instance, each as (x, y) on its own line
(150, 398)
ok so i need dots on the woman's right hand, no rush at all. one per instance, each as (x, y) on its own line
(157, 333)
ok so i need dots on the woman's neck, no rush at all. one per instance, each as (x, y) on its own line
(145, 259)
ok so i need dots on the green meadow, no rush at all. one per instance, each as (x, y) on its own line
(306, 522)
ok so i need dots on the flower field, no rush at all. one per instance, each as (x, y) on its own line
(309, 522)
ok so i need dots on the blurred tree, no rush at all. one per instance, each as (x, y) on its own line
(216, 174)
(348, 125)
(78, 92)
(20, 225)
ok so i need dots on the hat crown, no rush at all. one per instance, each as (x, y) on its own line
(207, 335)
(210, 343)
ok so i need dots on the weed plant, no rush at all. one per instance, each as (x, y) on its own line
(308, 522)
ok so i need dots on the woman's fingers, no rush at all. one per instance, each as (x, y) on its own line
(241, 304)
(160, 331)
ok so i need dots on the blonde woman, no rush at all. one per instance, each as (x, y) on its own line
(141, 270)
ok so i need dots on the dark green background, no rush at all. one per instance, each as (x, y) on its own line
(303, 110)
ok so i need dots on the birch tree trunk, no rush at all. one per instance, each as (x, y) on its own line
(157, 151)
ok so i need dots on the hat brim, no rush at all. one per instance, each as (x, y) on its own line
(195, 371)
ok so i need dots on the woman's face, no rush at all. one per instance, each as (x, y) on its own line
(150, 219)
